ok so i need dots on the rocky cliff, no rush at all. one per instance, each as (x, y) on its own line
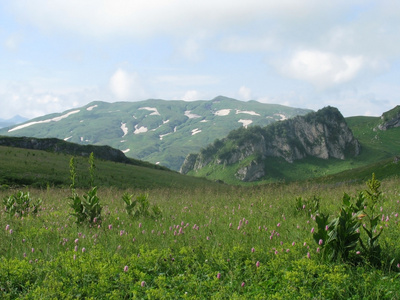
(323, 134)
(390, 119)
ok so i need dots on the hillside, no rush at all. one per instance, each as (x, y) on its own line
(254, 153)
(158, 131)
(39, 168)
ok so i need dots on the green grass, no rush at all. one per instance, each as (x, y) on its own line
(41, 169)
(203, 232)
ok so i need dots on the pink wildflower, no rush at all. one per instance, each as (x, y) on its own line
(257, 264)
(218, 275)
(126, 269)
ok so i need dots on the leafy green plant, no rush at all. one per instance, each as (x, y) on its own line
(140, 206)
(342, 235)
(87, 208)
(371, 246)
(20, 204)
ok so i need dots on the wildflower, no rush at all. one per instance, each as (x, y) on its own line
(33, 250)
(276, 252)
(257, 264)
(278, 225)
(312, 230)
(218, 275)
(83, 250)
(76, 249)
(326, 227)
(318, 250)
(308, 255)
(126, 269)
(7, 227)
(243, 284)
(252, 250)
(74, 257)
(121, 232)
(143, 283)
(140, 225)
(287, 250)
(230, 225)
(293, 243)
(320, 242)
(110, 226)
(76, 241)
(358, 252)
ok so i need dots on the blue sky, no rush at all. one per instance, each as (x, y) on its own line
(57, 55)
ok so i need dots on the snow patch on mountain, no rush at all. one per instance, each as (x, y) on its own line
(222, 112)
(190, 115)
(162, 135)
(141, 129)
(203, 121)
(245, 122)
(153, 109)
(195, 131)
(126, 150)
(67, 138)
(124, 129)
(91, 107)
(56, 119)
(249, 112)
(283, 117)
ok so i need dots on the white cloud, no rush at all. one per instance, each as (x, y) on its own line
(244, 93)
(143, 18)
(323, 69)
(126, 86)
(191, 95)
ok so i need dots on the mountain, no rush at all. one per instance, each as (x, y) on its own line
(10, 122)
(159, 131)
(390, 119)
(323, 135)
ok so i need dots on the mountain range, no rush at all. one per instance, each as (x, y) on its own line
(13, 121)
(158, 131)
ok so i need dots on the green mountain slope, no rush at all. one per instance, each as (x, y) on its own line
(39, 168)
(377, 151)
(158, 131)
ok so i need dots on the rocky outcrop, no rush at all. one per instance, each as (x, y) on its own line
(390, 119)
(323, 134)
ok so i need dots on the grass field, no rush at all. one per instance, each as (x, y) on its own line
(209, 243)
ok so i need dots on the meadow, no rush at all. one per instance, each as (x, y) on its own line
(210, 242)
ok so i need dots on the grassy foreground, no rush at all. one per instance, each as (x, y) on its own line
(209, 243)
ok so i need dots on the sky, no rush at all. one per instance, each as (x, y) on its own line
(62, 54)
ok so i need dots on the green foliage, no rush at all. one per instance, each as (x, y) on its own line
(92, 168)
(309, 207)
(86, 209)
(342, 235)
(140, 207)
(20, 204)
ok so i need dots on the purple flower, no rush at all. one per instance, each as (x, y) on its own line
(218, 275)
(252, 250)
(143, 283)
(320, 242)
(126, 269)
(312, 230)
(83, 250)
(257, 264)
(243, 284)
